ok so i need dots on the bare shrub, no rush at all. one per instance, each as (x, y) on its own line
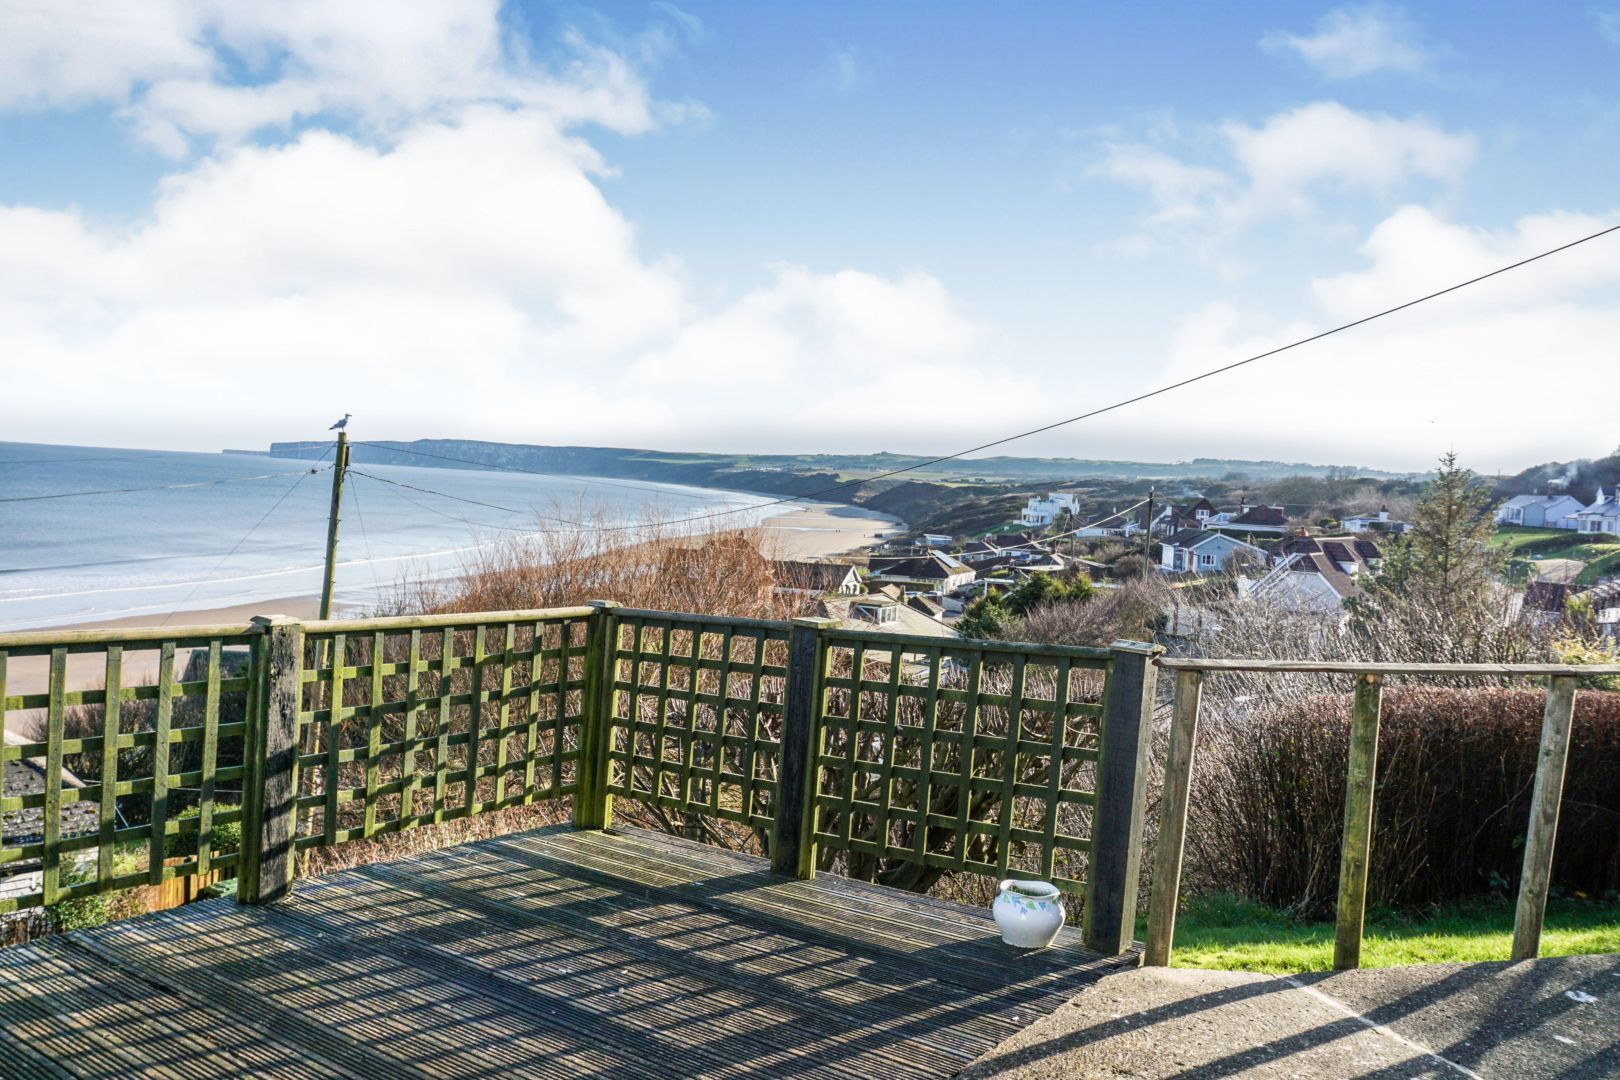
(1455, 770)
(1132, 612)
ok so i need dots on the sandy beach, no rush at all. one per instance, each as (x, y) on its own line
(818, 531)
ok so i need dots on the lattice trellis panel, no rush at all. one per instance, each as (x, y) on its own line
(959, 757)
(697, 716)
(420, 725)
(106, 800)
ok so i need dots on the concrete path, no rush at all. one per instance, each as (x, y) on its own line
(1558, 1017)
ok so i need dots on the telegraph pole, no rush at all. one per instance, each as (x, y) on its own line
(338, 470)
(1147, 533)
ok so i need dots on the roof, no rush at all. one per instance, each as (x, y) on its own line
(1261, 515)
(935, 566)
(27, 777)
(1339, 581)
(908, 619)
(802, 574)
(1546, 595)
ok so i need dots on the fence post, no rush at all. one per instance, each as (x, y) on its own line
(593, 806)
(1108, 923)
(1356, 849)
(793, 847)
(1551, 760)
(271, 787)
(1173, 804)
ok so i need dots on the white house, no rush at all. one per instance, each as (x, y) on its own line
(934, 540)
(1540, 511)
(1201, 551)
(816, 578)
(1603, 516)
(1044, 509)
(1379, 522)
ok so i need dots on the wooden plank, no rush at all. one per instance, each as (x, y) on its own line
(1174, 801)
(160, 764)
(51, 860)
(1054, 767)
(793, 840)
(1117, 819)
(1009, 768)
(441, 759)
(965, 759)
(413, 710)
(111, 720)
(271, 851)
(210, 761)
(334, 727)
(475, 717)
(1542, 832)
(1359, 668)
(1356, 848)
(925, 757)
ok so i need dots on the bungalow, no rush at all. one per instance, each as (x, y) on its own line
(1540, 511)
(1202, 551)
(883, 613)
(934, 572)
(977, 551)
(1379, 522)
(815, 578)
(1312, 574)
(1603, 516)
(1253, 519)
(934, 540)
(1043, 510)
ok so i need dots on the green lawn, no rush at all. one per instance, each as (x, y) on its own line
(1226, 933)
(1602, 557)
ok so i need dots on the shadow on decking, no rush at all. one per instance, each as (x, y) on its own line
(552, 953)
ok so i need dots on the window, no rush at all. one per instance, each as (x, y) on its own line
(1206, 560)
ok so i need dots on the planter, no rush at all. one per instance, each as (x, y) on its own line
(1029, 913)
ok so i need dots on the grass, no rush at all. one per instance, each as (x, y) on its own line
(1226, 933)
(1601, 556)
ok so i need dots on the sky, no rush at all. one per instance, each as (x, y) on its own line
(822, 227)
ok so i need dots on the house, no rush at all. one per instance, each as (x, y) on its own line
(977, 551)
(816, 578)
(933, 572)
(1139, 522)
(1379, 522)
(1254, 519)
(1203, 551)
(934, 540)
(1043, 510)
(1605, 601)
(27, 826)
(882, 613)
(1603, 516)
(1540, 511)
(1311, 574)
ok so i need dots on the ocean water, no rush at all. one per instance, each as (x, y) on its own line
(153, 552)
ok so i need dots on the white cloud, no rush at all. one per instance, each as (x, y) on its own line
(1357, 40)
(372, 63)
(1286, 163)
(465, 274)
(1468, 370)
(841, 70)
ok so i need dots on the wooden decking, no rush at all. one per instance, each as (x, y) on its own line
(553, 953)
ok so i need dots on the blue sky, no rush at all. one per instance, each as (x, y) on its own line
(809, 227)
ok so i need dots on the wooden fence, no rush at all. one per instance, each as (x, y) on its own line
(1541, 831)
(928, 755)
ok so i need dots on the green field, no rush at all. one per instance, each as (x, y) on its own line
(1226, 933)
(1525, 547)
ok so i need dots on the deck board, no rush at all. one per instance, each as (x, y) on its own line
(553, 953)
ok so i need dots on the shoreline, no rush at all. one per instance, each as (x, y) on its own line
(811, 531)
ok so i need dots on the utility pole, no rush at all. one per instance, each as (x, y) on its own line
(338, 470)
(1147, 533)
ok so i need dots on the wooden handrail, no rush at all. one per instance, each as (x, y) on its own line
(1356, 667)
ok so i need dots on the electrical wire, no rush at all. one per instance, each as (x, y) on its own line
(155, 487)
(251, 530)
(360, 516)
(1144, 396)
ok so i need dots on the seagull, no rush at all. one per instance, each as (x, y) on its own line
(341, 424)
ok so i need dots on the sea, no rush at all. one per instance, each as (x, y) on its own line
(92, 533)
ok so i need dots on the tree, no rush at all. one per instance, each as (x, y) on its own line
(1038, 589)
(1439, 587)
(985, 617)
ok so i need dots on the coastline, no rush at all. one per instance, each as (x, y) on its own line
(817, 530)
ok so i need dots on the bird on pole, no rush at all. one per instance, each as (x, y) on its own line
(341, 424)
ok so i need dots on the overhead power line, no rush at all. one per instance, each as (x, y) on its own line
(531, 472)
(1135, 399)
(155, 487)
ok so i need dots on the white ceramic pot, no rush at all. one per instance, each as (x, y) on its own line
(1029, 913)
